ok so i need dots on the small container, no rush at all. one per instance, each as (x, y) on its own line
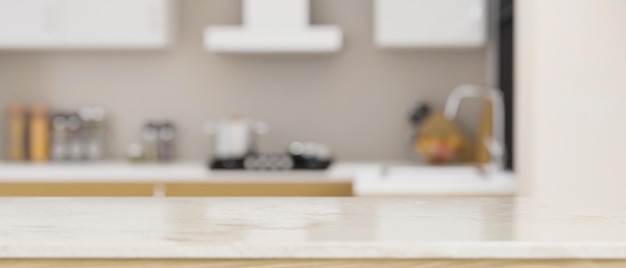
(135, 152)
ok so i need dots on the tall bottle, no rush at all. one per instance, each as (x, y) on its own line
(17, 133)
(167, 134)
(39, 134)
(75, 139)
(92, 132)
(59, 146)
(149, 136)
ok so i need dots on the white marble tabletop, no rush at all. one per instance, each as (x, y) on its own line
(309, 228)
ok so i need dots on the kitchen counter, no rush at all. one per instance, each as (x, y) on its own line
(164, 172)
(309, 228)
(364, 179)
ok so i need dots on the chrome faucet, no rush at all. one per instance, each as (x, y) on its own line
(495, 142)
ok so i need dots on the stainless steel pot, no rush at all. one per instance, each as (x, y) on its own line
(235, 137)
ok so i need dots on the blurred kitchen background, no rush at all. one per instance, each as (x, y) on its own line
(319, 97)
(356, 99)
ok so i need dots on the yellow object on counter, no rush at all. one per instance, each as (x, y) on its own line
(39, 134)
(441, 141)
(17, 133)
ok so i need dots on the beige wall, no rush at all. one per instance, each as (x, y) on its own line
(572, 98)
(356, 100)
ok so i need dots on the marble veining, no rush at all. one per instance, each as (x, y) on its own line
(309, 228)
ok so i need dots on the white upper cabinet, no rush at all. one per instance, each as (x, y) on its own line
(430, 23)
(116, 23)
(31, 23)
(98, 24)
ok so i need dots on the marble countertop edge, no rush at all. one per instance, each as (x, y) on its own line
(343, 250)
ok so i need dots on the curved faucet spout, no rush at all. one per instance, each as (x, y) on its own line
(495, 143)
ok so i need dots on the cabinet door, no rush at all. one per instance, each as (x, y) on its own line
(115, 23)
(94, 189)
(259, 189)
(28, 23)
(431, 23)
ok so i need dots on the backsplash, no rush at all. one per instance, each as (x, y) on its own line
(357, 100)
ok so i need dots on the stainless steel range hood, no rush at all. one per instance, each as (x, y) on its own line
(274, 26)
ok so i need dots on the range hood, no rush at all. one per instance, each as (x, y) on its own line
(274, 26)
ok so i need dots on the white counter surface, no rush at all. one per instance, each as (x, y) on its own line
(168, 172)
(310, 228)
(369, 179)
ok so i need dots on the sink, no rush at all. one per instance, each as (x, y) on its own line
(434, 174)
(436, 180)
